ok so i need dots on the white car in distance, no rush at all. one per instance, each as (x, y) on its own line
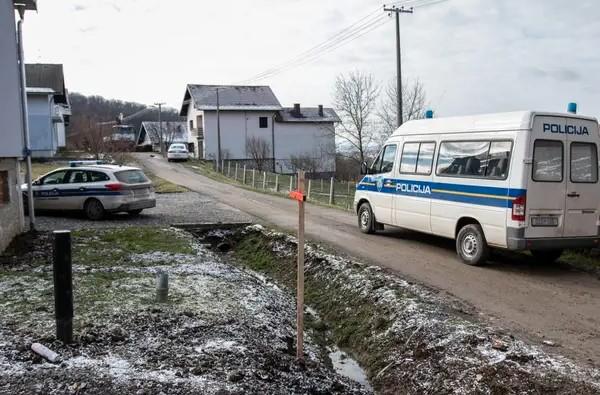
(178, 151)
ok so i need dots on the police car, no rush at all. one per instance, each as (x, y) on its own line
(95, 188)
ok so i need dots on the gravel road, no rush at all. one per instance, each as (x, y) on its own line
(542, 303)
(171, 208)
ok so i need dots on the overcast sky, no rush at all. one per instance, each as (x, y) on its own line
(473, 56)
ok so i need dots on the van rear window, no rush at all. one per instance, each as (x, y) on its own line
(131, 176)
(547, 161)
(584, 163)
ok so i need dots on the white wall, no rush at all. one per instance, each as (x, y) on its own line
(42, 131)
(11, 213)
(236, 127)
(11, 125)
(314, 140)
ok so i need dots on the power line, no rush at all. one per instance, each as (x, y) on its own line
(350, 33)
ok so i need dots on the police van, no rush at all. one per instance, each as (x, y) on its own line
(517, 181)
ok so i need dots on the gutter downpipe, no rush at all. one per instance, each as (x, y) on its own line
(25, 115)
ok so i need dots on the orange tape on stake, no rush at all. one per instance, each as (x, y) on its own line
(297, 196)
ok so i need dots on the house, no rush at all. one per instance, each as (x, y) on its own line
(148, 137)
(251, 119)
(11, 127)
(47, 80)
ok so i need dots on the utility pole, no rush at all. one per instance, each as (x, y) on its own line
(160, 131)
(218, 132)
(398, 11)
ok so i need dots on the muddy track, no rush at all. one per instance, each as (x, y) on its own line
(541, 302)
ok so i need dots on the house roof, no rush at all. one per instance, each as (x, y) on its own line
(176, 129)
(44, 75)
(231, 98)
(307, 114)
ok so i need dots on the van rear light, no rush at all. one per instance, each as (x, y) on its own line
(116, 186)
(518, 208)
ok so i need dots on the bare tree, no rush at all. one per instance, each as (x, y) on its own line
(307, 162)
(355, 99)
(414, 103)
(90, 136)
(258, 150)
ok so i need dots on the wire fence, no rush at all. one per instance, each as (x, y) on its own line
(325, 191)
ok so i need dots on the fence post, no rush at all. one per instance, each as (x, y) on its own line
(63, 285)
(253, 177)
(228, 168)
(264, 180)
(236, 170)
(300, 274)
(223, 166)
(331, 192)
(291, 183)
(348, 201)
(276, 182)
(308, 189)
(321, 190)
(244, 176)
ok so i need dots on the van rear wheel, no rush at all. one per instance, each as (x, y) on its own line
(471, 246)
(546, 256)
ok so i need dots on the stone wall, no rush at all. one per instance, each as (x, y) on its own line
(11, 205)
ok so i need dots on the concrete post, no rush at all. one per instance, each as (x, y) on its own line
(223, 166)
(291, 183)
(228, 168)
(308, 189)
(331, 192)
(253, 177)
(244, 176)
(264, 180)
(276, 182)
(236, 170)
(63, 286)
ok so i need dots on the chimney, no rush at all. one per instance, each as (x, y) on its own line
(297, 112)
(321, 110)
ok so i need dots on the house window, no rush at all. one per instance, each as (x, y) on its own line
(4, 192)
(263, 122)
(191, 124)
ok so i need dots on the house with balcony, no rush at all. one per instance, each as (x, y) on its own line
(50, 109)
(149, 136)
(251, 118)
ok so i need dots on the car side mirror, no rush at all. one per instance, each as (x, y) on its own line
(36, 182)
(364, 169)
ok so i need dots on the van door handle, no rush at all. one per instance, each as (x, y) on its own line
(573, 194)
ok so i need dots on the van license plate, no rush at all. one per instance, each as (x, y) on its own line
(544, 220)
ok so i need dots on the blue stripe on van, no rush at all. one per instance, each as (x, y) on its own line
(472, 194)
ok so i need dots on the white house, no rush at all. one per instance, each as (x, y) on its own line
(253, 113)
(46, 86)
(11, 129)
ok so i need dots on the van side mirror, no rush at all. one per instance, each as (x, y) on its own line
(364, 169)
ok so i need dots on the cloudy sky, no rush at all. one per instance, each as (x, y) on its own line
(473, 56)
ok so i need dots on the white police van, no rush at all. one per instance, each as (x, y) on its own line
(518, 181)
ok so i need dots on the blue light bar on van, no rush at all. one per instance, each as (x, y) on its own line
(572, 108)
(429, 114)
(75, 163)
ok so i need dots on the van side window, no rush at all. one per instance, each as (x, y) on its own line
(385, 161)
(417, 158)
(547, 161)
(584, 163)
(474, 159)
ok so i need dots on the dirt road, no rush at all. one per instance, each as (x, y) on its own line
(540, 302)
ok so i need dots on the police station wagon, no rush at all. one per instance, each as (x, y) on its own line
(517, 181)
(95, 189)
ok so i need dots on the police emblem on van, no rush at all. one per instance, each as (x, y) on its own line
(565, 129)
(379, 182)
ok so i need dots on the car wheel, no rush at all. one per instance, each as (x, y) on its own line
(546, 256)
(471, 246)
(134, 213)
(366, 219)
(94, 210)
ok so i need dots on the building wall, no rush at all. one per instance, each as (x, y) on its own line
(236, 128)
(42, 133)
(11, 212)
(11, 125)
(312, 140)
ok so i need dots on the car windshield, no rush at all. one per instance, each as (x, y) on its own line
(131, 176)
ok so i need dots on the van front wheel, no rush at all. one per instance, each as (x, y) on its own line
(471, 245)
(366, 219)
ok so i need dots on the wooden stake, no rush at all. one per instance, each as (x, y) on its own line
(300, 295)
(63, 285)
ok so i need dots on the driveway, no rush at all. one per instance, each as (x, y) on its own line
(539, 302)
